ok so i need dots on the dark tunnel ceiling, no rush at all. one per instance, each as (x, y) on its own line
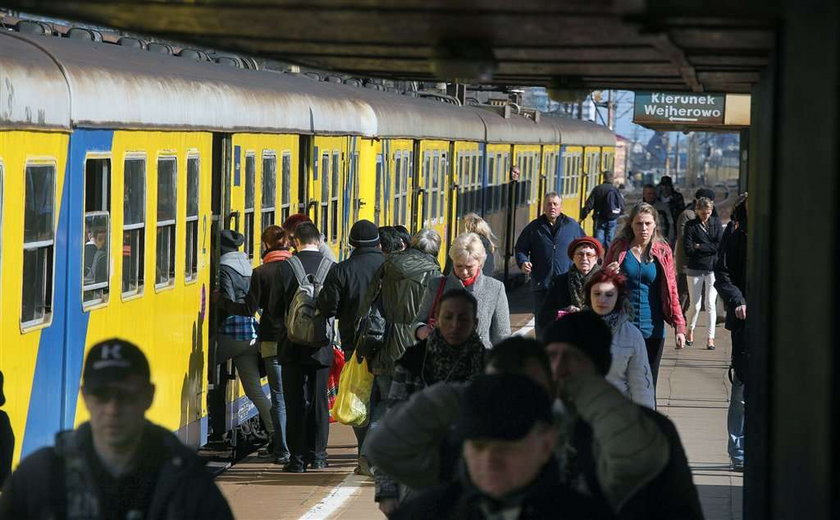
(676, 45)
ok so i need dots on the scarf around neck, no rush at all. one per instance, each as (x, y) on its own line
(276, 255)
(470, 281)
(577, 284)
(445, 362)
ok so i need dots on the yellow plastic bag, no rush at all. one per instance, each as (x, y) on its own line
(354, 388)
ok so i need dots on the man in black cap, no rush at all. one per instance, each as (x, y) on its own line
(508, 471)
(345, 289)
(118, 465)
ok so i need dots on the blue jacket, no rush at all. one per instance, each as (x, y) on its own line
(547, 248)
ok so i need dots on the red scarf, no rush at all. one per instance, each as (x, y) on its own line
(276, 256)
(470, 281)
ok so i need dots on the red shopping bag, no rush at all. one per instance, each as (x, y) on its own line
(335, 373)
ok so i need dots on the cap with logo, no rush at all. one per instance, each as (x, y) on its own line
(502, 407)
(112, 361)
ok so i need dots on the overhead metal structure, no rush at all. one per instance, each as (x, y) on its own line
(715, 46)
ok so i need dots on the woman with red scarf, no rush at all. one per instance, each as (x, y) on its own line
(468, 256)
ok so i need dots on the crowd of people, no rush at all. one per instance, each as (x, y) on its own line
(464, 419)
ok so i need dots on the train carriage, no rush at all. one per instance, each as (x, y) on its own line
(119, 167)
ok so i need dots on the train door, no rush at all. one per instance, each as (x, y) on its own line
(330, 160)
(349, 194)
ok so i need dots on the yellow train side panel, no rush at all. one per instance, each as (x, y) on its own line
(168, 322)
(19, 350)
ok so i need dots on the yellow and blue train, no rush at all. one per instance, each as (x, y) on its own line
(119, 167)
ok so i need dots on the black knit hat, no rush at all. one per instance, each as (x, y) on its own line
(231, 240)
(364, 233)
(502, 406)
(112, 361)
(588, 332)
(704, 192)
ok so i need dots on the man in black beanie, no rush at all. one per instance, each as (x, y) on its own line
(344, 290)
(578, 348)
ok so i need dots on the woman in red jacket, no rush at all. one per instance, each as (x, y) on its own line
(645, 258)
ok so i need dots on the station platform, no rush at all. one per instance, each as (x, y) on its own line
(693, 391)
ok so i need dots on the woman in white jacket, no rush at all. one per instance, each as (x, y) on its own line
(606, 294)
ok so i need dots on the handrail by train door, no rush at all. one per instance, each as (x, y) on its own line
(417, 214)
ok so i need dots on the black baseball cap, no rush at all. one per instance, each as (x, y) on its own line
(502, 407)
(113, 360)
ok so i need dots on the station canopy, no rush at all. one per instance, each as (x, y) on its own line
(569, 45)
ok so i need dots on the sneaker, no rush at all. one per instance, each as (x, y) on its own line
(267, 451)
(318, 464)
(737, 465)
(282, 460)
(294, 467)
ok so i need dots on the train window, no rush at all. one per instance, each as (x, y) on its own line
(269, 189)
(501, 163)
(250, 180)
(191, 267)
(134, 225)
(325, 195)
(476, 184)
(491, 172)
(444, 185)
(433, 195)
(397, 188)
(427, 172)
(96, 263)
(38, 245)
(286, 189)
(378, 197)
(334, 199)
(167, 192)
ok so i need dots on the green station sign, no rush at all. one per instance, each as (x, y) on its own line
(679, 108)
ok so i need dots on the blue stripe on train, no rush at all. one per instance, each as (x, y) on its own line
(52, 403)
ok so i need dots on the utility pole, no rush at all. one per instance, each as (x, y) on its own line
(610, 111)
(667, 138)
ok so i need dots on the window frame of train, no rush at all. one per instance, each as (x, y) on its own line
(97, 216)
(475, 169)
(286, 188)
(268, 198)
(323, 221)
(43, 246)
(192, 215)
(166, 225)
(335, 189)
(401, 160)
(135, 229)
(425, 217)
(250, 202)
(377, 206)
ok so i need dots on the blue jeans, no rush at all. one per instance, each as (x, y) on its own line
(278, 404)
(605, 232)
(735, 421)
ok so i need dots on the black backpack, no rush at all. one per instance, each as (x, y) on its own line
(371, 328)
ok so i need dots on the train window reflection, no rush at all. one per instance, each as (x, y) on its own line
(167, 185)
(286, 198)
(269, 189)
(97, 230)
(38, 245)
(250, 180)
(191, 267)
(134, 225)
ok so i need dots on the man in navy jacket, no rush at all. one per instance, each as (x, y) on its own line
(541, 250)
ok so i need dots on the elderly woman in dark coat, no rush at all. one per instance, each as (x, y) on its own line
(567, 290)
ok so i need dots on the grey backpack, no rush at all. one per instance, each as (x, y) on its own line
(305, 325)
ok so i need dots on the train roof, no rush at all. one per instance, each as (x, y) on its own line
(60, 83)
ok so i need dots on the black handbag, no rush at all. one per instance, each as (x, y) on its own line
(371, 328)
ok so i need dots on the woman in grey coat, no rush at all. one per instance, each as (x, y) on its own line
(606, 294)
(468, 256)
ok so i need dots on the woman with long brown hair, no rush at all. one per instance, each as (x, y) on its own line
(645, 258)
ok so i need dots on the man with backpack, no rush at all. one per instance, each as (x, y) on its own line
(304, 347)
(344, 291)
(608, 204)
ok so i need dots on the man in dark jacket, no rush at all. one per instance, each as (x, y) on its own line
(306, 369)
(264, 292)
(608, 204)
(731, 283)
(508, 471)
(118, 465)
(345, 289)
(669, 195)
(541, 250)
